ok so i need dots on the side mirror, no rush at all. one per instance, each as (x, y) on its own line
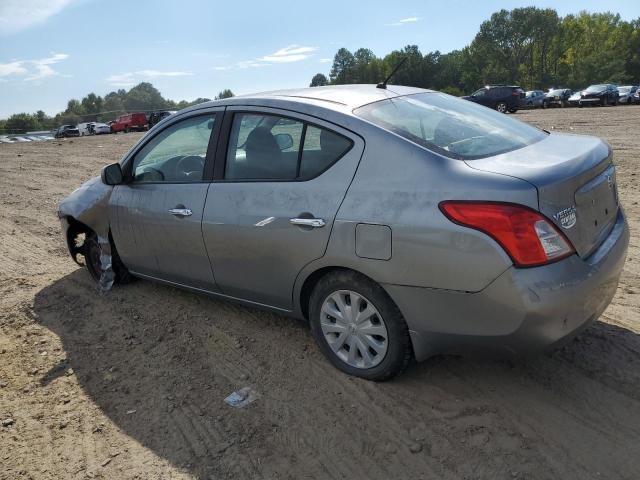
(284, 141)
(112, 174)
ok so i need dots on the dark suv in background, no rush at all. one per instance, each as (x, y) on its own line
(503, 98)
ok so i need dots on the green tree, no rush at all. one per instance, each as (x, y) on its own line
(143, 97)
(92, 105)
(226, 93)
(342, 68)
(319, 80)
(21, 123)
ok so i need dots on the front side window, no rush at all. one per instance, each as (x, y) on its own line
(451, 126)
(271, 147)
(177, 154)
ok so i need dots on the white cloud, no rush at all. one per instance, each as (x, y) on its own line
(18, 15)
(325, 60)
(292, 53)
(43, 66)
(12, 68)
(404, 21)
(129, 79)
(32, 69)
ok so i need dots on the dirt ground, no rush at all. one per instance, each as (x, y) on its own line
(130, 384)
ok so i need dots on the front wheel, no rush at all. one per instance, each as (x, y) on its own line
(501, 107)
(358, 327)
(92, 253)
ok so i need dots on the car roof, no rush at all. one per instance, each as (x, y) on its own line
(337, 97)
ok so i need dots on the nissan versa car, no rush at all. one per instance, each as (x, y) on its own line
(400, 222)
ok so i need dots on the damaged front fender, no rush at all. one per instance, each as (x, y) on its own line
(86, 211)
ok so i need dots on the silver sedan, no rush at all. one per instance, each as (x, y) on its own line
(400, 223)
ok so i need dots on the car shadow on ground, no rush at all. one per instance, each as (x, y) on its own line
(159, 361)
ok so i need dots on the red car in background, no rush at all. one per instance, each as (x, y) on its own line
(129, 122)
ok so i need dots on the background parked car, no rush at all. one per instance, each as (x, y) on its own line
(156, 117)
(502, 98)
(558, 97)
(535, 99)
(601, 94)
(627, 94)
(86, 128)
(101, 128)
(67, 131)
(129, 122)
(574, 99)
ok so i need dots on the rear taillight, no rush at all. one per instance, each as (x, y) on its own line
(527, 236)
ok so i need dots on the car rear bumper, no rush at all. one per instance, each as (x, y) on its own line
(523, 310)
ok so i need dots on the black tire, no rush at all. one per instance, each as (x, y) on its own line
(513, 110)
(501, 107)
(399, 351)
(126, 129)
(92, 261)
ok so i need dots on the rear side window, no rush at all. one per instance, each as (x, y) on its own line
(322, 148)
(271, 147)
(450, 126)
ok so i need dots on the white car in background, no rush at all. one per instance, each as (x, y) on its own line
(101, 128)
(85, 128)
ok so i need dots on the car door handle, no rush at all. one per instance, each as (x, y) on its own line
(181, 212)
(308, 222)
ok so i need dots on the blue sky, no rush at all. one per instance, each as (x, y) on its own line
(54, 50)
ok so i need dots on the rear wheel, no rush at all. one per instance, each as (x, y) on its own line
(501, 107)
(358, 327)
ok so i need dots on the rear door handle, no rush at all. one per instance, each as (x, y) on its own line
(181, 212)
(308, 222)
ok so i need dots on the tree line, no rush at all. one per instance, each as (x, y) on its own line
(144, 97)
(531, 47)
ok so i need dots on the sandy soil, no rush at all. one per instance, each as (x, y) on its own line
(131, 384)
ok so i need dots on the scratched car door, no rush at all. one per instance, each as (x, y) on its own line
(272, 212)
(158, 211)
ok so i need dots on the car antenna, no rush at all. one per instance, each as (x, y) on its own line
(383, 85)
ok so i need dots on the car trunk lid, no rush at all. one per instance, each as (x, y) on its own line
(576, 184)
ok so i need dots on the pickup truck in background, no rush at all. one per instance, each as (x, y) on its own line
(129, 122)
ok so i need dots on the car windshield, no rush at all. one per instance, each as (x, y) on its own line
(596, 88)
(556, 92)
(451, 126)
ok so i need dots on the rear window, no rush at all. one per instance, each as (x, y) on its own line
(450, 126)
